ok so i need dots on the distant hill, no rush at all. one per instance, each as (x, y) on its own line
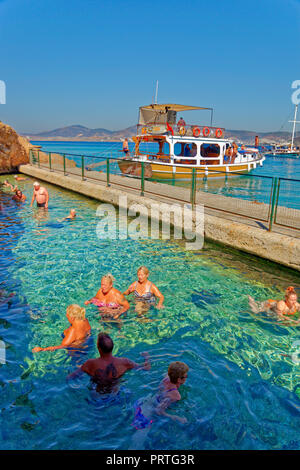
(82, 133)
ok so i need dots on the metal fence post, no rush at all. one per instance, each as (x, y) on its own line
(143, 179)
(107, 172)
(50, 161)
(82, 167)
(193, 187)
(273, 201)
(38, 158)
(64, 156)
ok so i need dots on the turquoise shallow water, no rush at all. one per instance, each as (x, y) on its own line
(254, 187)
(243, 388)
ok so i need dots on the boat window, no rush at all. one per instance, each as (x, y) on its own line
(210, 150)
(185, 149)
(159, 147)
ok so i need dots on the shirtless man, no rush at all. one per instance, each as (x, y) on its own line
(107, 369)
(40, 194)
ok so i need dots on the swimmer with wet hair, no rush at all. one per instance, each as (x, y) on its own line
(107, 369)
(19, 196)
(282, 308)
(72, 215)
(76, 333)
(110, 301)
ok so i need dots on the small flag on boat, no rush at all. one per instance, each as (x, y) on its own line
(169, 128)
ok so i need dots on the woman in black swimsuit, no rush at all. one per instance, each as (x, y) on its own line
(144, 291)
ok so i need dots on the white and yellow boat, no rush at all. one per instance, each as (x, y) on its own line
(171, 149)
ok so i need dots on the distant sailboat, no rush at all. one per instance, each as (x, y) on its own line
(287, 151)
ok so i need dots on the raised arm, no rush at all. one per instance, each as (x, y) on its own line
(67, 341)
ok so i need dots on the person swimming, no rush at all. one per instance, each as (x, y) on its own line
(111, 302)
(144, 291)
(19, 196)
(75, 334)
(282, 308)
(107, 369)
(167, 395)
(71, 215)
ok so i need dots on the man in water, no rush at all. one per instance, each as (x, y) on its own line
(71, 216)
(107, 369)
(40, 194)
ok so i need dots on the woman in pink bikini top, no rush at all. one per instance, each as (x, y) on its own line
(110, 301)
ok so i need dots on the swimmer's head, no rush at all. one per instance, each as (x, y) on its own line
(142, 273)
(73, 212)
(36, 184)
(290, 295)
(19, 193)
(177, 372)
(104, 343)
(76, 312)
(107, 282)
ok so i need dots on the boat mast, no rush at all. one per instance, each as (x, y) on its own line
(156, 92)
(294, 126)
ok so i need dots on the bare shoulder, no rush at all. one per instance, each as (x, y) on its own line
(281, 305)
(125, 362)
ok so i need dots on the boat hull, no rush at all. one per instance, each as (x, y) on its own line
(175, 172)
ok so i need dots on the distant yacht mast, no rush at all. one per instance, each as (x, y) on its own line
(294, 126)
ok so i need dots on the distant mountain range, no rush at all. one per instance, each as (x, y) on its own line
(83, 134)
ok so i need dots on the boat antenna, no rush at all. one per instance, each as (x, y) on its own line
(294, 126)
(156, 92)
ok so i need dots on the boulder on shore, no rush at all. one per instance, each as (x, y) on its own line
(14, 149)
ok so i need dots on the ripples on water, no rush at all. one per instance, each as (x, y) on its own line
(242, 390)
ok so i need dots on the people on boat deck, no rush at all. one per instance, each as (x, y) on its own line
(125, 146)
(181, 122)
(168, 394)
(228, 154)
(75, 334)
(111, 302)
(107, 369)
(144, 291)
(40, 194)
(282, 308)
(187, 151)
(19, 196)
(234, 152)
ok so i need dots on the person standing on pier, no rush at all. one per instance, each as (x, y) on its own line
(40, 194)
(125, 147)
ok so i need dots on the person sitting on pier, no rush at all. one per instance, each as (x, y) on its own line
(282, 308)
(76, 333)
(19, 196)
(111, 302)
(144, 291)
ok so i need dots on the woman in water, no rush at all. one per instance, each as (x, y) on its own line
(144, 291)
(167, 395)
(111, 302)
(76, 333)
(282, 308)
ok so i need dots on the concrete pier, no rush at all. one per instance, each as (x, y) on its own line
(281, 245)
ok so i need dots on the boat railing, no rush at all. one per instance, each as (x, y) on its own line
(195, 159)
(187, 130)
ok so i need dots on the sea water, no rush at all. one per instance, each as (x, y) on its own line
(243, 386)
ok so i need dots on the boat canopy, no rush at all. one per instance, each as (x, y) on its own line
(163, 113)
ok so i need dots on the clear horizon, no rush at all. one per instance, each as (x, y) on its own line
(94, 63)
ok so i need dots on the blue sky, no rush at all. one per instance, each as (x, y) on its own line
(94, 62)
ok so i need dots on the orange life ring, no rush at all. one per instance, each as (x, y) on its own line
(206, 131)
(196, 131)
(182, 130)
(219, 133)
